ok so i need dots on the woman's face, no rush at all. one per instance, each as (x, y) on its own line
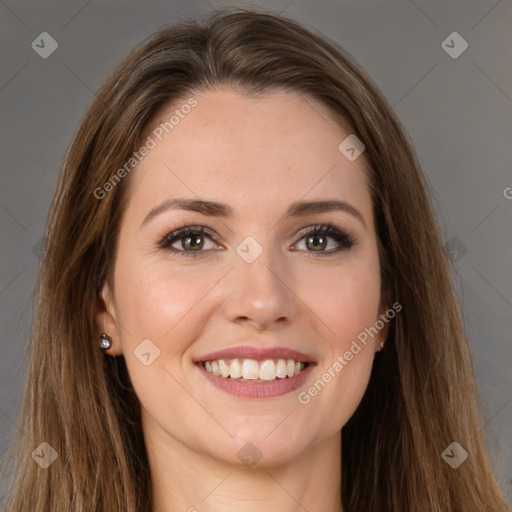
(259, 283)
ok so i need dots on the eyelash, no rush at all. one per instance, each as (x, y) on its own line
(344, 240)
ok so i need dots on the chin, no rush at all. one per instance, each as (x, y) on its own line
(259, 448)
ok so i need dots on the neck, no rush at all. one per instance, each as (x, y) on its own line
(183, 479)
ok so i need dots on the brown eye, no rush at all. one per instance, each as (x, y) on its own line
(188, 241)
(316, 242)
(194, 242)
(317, 239)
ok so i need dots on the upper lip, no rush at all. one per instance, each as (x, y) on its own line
(248, 352)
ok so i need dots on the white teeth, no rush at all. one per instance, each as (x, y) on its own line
(252, 370)
(235, 369)
(224, 368)
(268, 370)
(290, 367)
(281, 368)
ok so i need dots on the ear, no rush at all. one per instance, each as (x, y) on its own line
(105, 319)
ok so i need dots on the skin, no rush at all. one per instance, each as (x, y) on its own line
(258, 156)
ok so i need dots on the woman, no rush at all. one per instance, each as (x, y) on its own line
(244, 301)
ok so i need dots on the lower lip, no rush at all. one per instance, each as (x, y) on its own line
(258, 389)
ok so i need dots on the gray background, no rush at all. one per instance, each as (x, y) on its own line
(458, 113)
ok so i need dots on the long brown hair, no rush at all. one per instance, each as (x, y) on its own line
(422, 394)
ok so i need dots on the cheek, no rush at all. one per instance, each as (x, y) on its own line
(345, 297)
(158, 303)
(347, 388)
(154, 299)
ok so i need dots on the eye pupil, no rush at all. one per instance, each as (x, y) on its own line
(316, 245)
(195, 242)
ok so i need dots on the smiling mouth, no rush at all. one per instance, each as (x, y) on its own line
(253, 370)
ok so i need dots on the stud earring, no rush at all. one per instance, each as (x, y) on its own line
(106, 342)
(381, 344)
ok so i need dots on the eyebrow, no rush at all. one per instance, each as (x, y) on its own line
(216, 209)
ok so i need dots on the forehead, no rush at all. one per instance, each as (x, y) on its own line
(253, 153)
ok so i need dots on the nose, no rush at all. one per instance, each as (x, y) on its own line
(260, 294)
